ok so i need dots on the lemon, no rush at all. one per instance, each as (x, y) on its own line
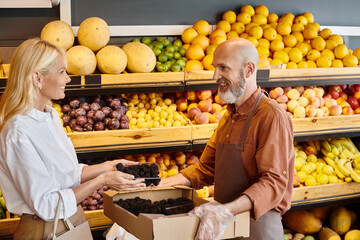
(244, 18)
(172, 172)
(188, 35)
(263, 51)
(313, 55)
(297, 27)
(193, 65)
(263, 62)
(279, 37)
(276, 45)
(238, 27)
(244, 35)
(295, 55)
(309, 17)
(333, 179)
(302, 176)
(310, 180)
(248, 8)
(273, 25)
(270, 34)
(302, 154)
(262, 10)
(311, 64)
(201, 40)
(299, 162)
(253, 41)
(301, 19)
(275, 62)
(319, 167)
(259, 19)
(318, 43)
(323, 62)
(249, 26)
(265, 26)
(289, 40)
(304, 48)
(350, 61)
(287, 49)
(207, 62)
(282, 55)
(337, 38)
(195, 52)
(328, 53)
(341, 51)
(311, 158)
(287, 18)
(330, 44)
(202, 27)
(291, 65)
(325, 33)
(272, 18)
(229, 16)
(223, 25)
(262, 42)
(310, 32)
(283, 28)
(299, 37)
(210, 49)
(232, 34)
(356, 53)
(256, 32)
(215, 33)
(322, 179)
(327, 169)
(217, 40)
(306, 169)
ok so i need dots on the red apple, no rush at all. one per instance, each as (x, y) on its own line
(353, 101)
(336, 88)
(179, 94)
(327, 96)
(334, 94)
(192, 160)
(159, 160)
(357, 87)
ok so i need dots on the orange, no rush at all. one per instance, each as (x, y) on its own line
(318, 43)
(299, 36)
(238, 27)
(262, 42)
(350, 61)
(328, 53)
(256, 32)
(188, 35)
(259, 19)
(217, 32)
(302, 64)
(253, 41)
(295, 55)
(263, 62)
(282, 55)
(341, 51)
(249, 26)
(272, 18)
(244, 35)
(337, 38)
(311, 64)
(289, 41)
(323, 62)
(309, 17)
(291, 65)
(202, 41)
(337, 63)
(356, 53)
(275, 62)
(211, 49)
(262, 10)
(276, 45)
(207, 62)
(325, 33)
(217, 40)
(310, 32)
(229, 16)
(223, 25)
(301, 19)
(316, 25)
(244, 17)
(313, 54)
(297, 27)
(263, 51)
(248, 8)
(283, 29)
(270, 34)
(232, 34)
(330, 44)
(304, 48)
(202, 27)
(195, 52)
(193, 65)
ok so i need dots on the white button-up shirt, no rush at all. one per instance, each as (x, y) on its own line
(38, 161)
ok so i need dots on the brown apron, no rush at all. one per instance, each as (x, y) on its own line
(231, 181)
(32, 227)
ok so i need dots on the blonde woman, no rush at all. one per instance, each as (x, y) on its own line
(38, 163)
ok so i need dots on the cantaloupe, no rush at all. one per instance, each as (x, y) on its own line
(302, 221)
(111, 59)
(58, 33)
(340, 220)
(81, 60)
(141, 59)
(93, 33)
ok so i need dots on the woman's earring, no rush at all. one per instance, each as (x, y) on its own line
(40, 87)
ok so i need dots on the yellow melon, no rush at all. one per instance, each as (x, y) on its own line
(340, 220)
(81, 60)
(93, 33)
(58, 33)
(140, 57)
(111, 59)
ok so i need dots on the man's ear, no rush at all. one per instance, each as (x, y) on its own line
(249, 69)
(37, 79)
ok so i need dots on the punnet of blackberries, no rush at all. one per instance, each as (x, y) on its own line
(142, 171)
(167, 207)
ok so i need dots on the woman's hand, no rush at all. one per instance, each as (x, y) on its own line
(122, 181)
(111, 165)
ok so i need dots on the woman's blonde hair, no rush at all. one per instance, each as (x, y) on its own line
(20, 95)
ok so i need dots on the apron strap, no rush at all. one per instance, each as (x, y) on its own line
(248, 121)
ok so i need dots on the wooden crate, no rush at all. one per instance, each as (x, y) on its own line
(199, 77)
(128, 137)
(202, 132)
(8, 226)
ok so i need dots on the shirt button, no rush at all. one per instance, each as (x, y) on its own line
(227, 135)
(284, 172)
(232, 121)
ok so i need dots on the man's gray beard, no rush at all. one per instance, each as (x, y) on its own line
(232, 94)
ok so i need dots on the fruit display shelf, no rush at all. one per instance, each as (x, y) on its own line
(97, 220)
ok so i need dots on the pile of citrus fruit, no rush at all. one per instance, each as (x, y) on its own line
(296, 41)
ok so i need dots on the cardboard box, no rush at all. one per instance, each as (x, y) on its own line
(161, 227)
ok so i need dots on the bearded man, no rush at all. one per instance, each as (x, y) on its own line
(250, 157)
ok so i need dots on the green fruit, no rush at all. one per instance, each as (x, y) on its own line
(159, 45)
(169, 54)
(182, 51)
(2, 202)
(168, 64)
(161, 39)
(165, 41)
(170, 48)
(181, 62)
(175, 67)
(156, 51)
(309, 238)
(136, 40)
(162, 58)
(146, 40)
(162, 68)
(177, 55)
(176, 48)
(178, 43)
(173, 60)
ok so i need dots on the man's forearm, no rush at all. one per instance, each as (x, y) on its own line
(239, 205)
(177, 179)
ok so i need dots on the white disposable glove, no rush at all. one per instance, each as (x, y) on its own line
(118, 233)
(214, 217)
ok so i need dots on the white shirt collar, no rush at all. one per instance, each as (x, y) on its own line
(40, 115)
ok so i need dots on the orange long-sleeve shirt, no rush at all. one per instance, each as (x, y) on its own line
(268, 155)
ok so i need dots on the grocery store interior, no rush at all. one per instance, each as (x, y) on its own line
(142, 89)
